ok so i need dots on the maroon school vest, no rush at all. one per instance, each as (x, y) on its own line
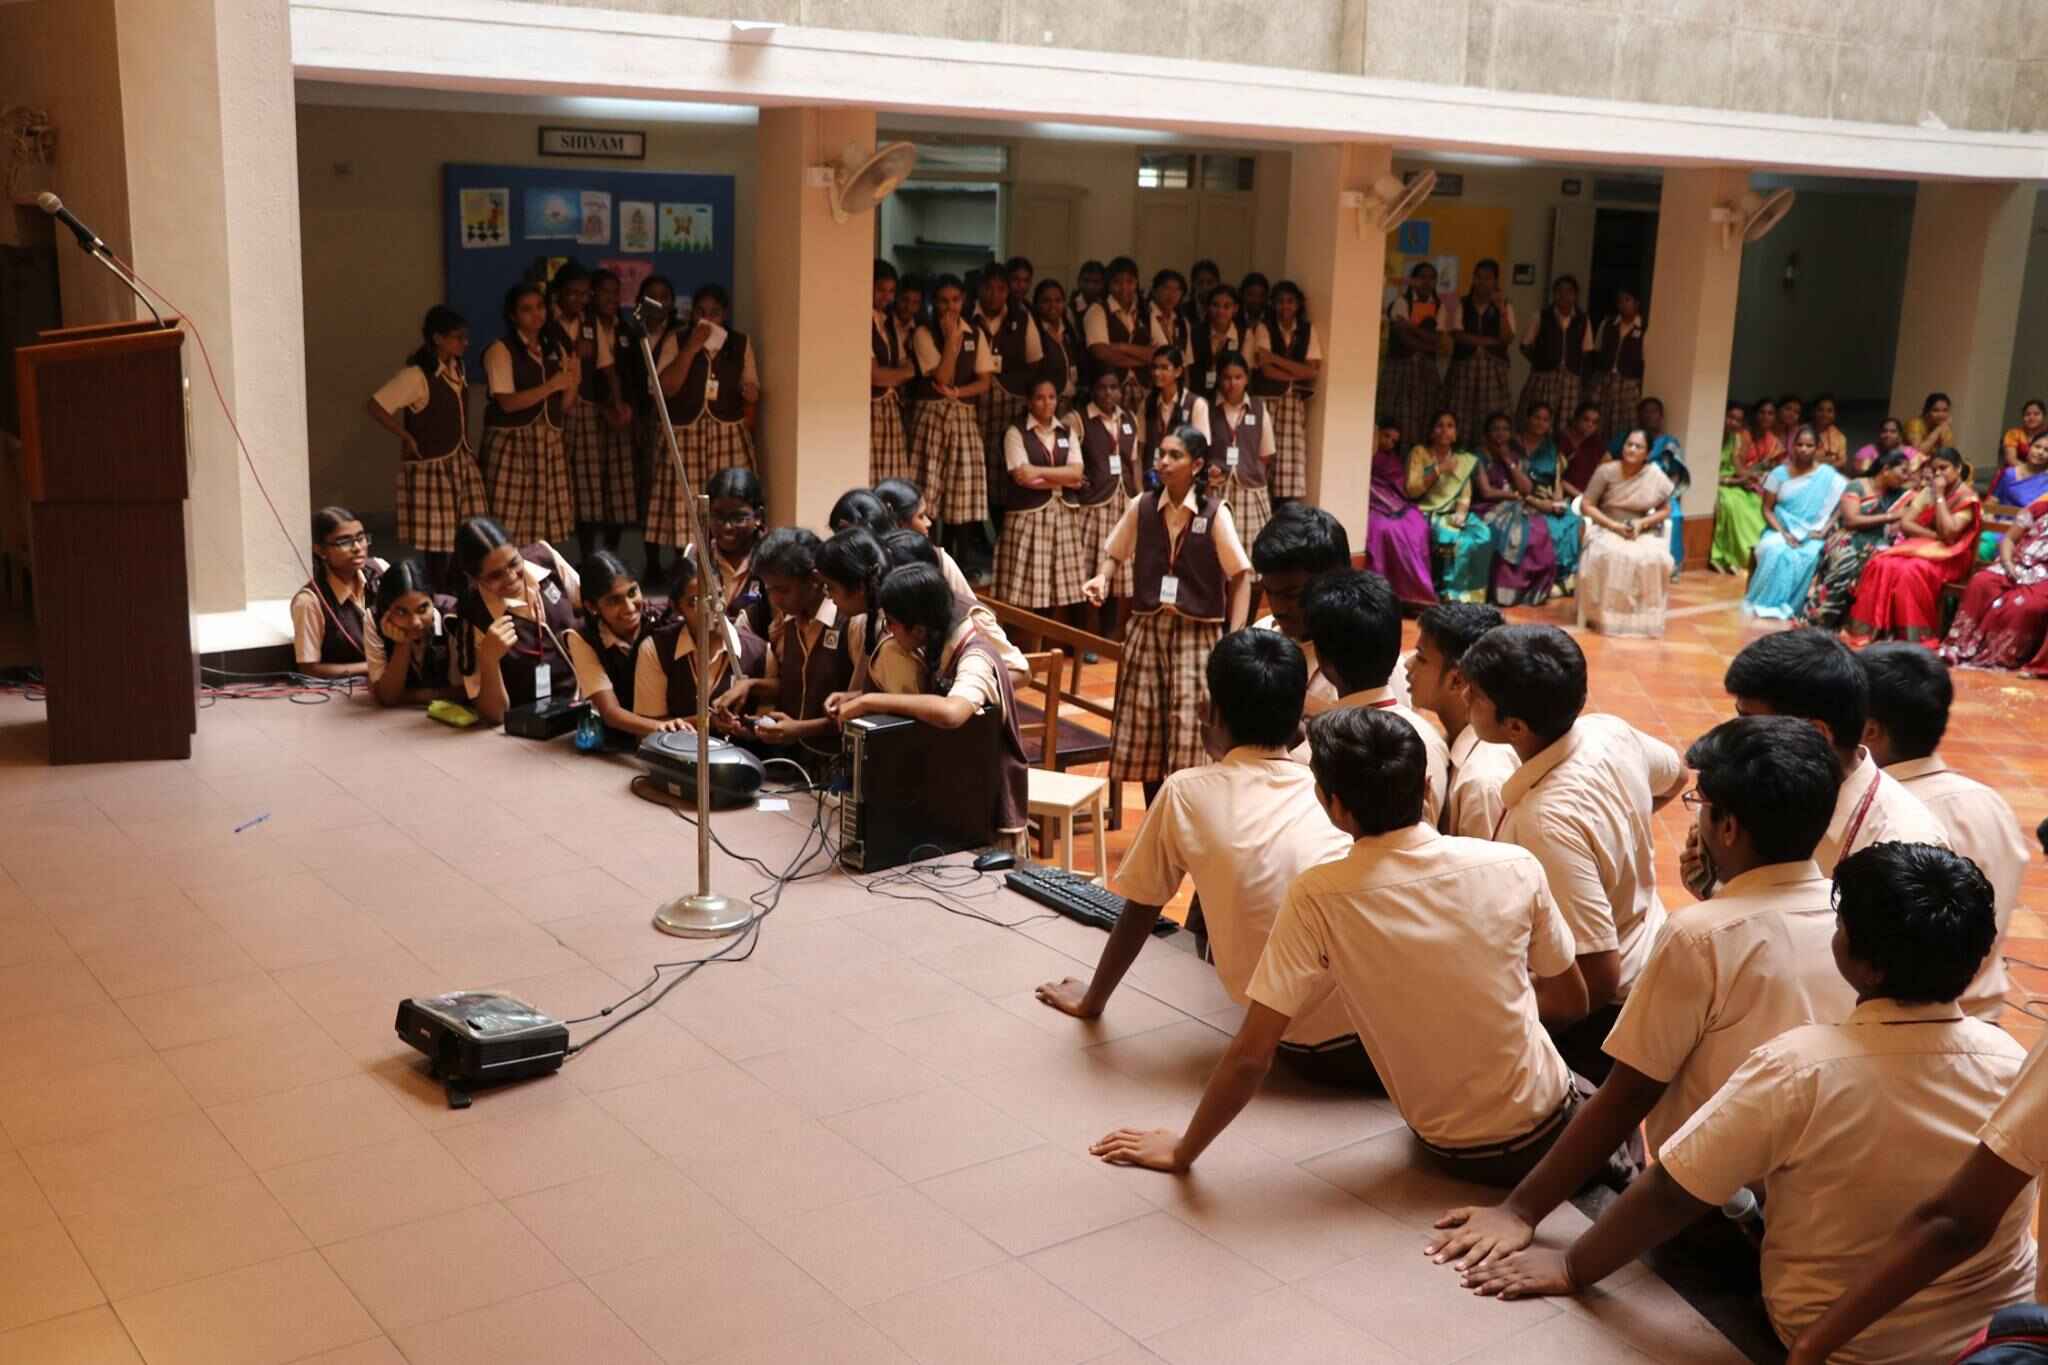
(442, 426)
(1559, 347)
(808, 679)
(1206, 351)
(1479, 321)
(534, 646)
(590, 389)
(427, 665)
(1057, 360)
(619, 668)
(1247, 434)
(1160, 424)
(1198, 566)
(1018, 498)
(1098, 442)
(1295, 349)
(1012, 796)
(971, 341)
(1623, 354)
(529, 373)
(730, 366)
(882, 344)
(1149, 317)
(682, 679)
(1010, 339)
(345, 646)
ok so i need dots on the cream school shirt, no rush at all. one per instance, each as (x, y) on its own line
(1436, 755)
(309, 614)
(1432, 943)
(1983, 828)
(1893, 815)
(1727, 976)
(1034, 347)
(1583, 806)
(1265, 337)
(1479, 771)
(591, 678)
(650, 679)
(1057, 435)
(1244, 828)
(407, 390)
(1137, 322)
(1849, 1127)
(927, 343)
(375, 657)
(1180, 516)
(571, 585)
(1233, 413)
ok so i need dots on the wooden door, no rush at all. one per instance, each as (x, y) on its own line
(1167, 234)
(1045, 225)
(1224, 229)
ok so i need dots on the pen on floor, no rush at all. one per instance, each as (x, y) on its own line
(251, 824)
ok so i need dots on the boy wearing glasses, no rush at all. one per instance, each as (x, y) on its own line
(1725, 977)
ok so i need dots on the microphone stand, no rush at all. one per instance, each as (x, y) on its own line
(704, 915)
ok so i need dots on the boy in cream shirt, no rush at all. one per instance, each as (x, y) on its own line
(1479, 771)
(1354, 621)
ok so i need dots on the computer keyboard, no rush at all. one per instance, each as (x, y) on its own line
(1074, 896)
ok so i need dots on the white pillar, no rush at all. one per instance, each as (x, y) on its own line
(1691, 334)
(1964, 270)
(812, 295)
(211, 143)
(1341, 271)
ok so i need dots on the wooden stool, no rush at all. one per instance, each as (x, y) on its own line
(1057, 798)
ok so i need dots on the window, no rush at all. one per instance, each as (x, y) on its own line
(1224, 172)
(1227, 171)
(963, 158)
(1165, 170)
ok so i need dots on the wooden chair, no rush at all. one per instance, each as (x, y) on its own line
(1056, 799)
(1998, 517)
(1054, 741)
(1045, 729)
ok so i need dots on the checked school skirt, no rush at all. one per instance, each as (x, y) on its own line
(600, 467)
(707, 446)
(888, 444)
(1477, 385)
(1041, 560)
(1408, 393)
(1618, 397)
(1094, 525)
(952, 466)
(528, 481)
(1162, 696)
(1250, 509)
(1559, 388)
(435, 496)
(1289, 415)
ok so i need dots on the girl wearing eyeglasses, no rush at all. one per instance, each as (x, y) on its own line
(738, 520)
(331, 614)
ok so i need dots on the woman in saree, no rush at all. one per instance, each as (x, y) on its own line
(1891, 435)
(1669, 456)
(1397, 534)
(2021, 483)
(1440, 481)
(1935, 428)
(2012, 448)
(1625, 570)
(1545, 466)
(1799, 502)
(1739, 501)
(1899, 597)
(1524, 560)
(2003, 622)
(1871, 506)
(1766, 447)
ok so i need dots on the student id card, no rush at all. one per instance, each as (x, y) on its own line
(1209, 378)
(1230, 459)
(1169, 590)
(1116, 464)
(543, 680)
(711, 388)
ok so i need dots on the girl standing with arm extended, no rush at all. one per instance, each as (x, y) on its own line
(425, 405)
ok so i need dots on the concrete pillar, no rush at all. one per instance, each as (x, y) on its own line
(1692, 331)
(1340, 270)
(1964, 271)
(211, 144)
(812, 298)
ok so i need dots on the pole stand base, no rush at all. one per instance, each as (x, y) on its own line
(703, 917)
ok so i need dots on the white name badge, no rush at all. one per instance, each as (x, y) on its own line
(1199, 527)
(1208, 379)
(550, 593)
(1169, 590)
(1251, 419)
(1060, 443)
(1230, 458)
(1116, 464)
(832, 638)
(1129, 430)
(998, 362)
(967, 345)
(543, 682)
(711, 390)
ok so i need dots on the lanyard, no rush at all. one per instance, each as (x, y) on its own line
(1176, 545)
(1856, 820)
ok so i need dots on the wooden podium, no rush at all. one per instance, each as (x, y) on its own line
(103, 431)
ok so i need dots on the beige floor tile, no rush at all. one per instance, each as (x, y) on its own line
(881, 1246)
(448, 1264)
(30, 935)
(1649, 1315)
(171, 1236)
(999, 965)
(469, 960)
(563, 1324)
(833, 1075)
(1129, 1011)
(788, 1170)
(349, 1194)
(891, 992)
(1277, 1216)
(94, 1337)
(647, 1048)
(743, 1018)
(43, 1044)
(933, 1132)
(1566, 1339)
(1033, 1199)
(46, 987)
(21, 1200)
(144, 966)
(200, 1014)
(252, 1064)
(52, 1106)
(312, 1121)
(42, 1276)
(1420, 1308)
(1279, 1327)
(573, 893)
(168, 915)
(289, 935)
(704, 1113)
(1006, 1313)
(635, 1213)
(552, 1145)
(971, 1041)
(1150, 1274)
(375, 1351)
(843, 1338)
(282, 1310)
(687, 1313)
(109, 1171)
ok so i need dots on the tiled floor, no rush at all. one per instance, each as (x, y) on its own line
(866, 1143)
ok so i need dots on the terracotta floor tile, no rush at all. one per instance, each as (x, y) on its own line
(282, 1310)
(170, 1236)
(1036, 1198)
(788, 1170)
(43, 1044)
(566, 1323)
(1006, 1313)
(1420, 1308)
(1565, 1340)
(932, 1132)
(252, 1064)
(42, 1276)
(1280, 1327)
(688, 1313)
(709, 1112)
(111, 1170)
(545, 1146)
(881, 1246)
(1151, 1274)
(45, 987)
(312, 1121)
(635, 1213)
(50, 1106)
(94, 1337)
(222, 1009)
(834, 1075)
(843, 1338)
(425, 1271)
(369, 1189)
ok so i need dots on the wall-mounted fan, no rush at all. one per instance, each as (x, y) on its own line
(859, 180)
(1752, 215)
(1392, 201)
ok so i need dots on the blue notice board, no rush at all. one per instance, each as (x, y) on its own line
(499, 219)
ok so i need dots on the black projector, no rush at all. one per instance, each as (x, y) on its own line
(670, 758)
(477, 1038)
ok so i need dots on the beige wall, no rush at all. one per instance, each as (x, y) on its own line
(370, 222)
(60, 55)
(1979, 64)
(2029, 377)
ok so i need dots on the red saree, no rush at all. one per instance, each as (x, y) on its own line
(1899, 597)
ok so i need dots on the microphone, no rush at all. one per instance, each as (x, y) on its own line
(87, 238)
